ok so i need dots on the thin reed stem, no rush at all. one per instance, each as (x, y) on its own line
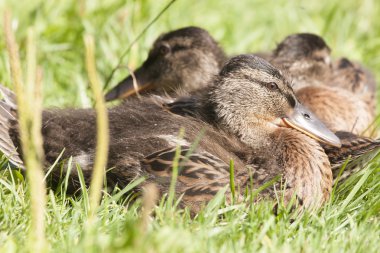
(29, 102)
(102, 127)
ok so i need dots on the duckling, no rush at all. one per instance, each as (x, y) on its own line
(325, 89)
(255, 119)
(180, 61)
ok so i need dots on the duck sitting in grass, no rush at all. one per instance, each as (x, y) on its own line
(171, 65)
(254, 118)
(340, 94)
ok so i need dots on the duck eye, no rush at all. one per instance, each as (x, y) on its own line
(164, 49)
(272, 86)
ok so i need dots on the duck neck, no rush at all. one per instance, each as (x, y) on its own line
(306, 166)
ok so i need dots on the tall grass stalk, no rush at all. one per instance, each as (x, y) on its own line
(102, 127)
(232, 180)
(29, 101)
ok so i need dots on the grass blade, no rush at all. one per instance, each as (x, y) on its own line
(102, 127)
(29, 102)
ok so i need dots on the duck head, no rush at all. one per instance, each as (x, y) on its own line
(304, 47)
(185, 59)
(252, 98)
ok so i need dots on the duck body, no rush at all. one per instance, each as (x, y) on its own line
(144, 142)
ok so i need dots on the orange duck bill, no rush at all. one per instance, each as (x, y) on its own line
(305, 121)
(134, 83)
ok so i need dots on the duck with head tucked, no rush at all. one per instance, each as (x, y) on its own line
(182, 60)
(255, 119)
(341, 95)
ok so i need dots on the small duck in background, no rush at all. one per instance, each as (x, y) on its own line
(250, 114)
(341, 95)
(179, 61)
(306, 57)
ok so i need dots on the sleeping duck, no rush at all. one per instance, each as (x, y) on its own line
(183, 60)
(253, 117)
(341, 95)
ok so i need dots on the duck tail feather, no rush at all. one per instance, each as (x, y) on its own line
(9, 96)
(356, 148)
(8, 114)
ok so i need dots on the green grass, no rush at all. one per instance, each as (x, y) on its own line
(351, 222)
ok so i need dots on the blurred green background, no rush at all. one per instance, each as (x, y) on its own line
(351, 28)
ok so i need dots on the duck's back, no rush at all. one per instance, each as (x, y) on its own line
(137, 130)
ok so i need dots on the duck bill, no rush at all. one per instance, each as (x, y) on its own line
(134, 83)
(306, 122)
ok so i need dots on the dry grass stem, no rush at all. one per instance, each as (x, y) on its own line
(102, 127)
(29, 101)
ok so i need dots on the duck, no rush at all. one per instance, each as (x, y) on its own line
(253, 118)
(305, 57)
(341, 94)
(179, 61)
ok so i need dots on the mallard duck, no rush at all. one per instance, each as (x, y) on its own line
(306, 57)
(255, 119)
(339, 94)
(179, 61)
